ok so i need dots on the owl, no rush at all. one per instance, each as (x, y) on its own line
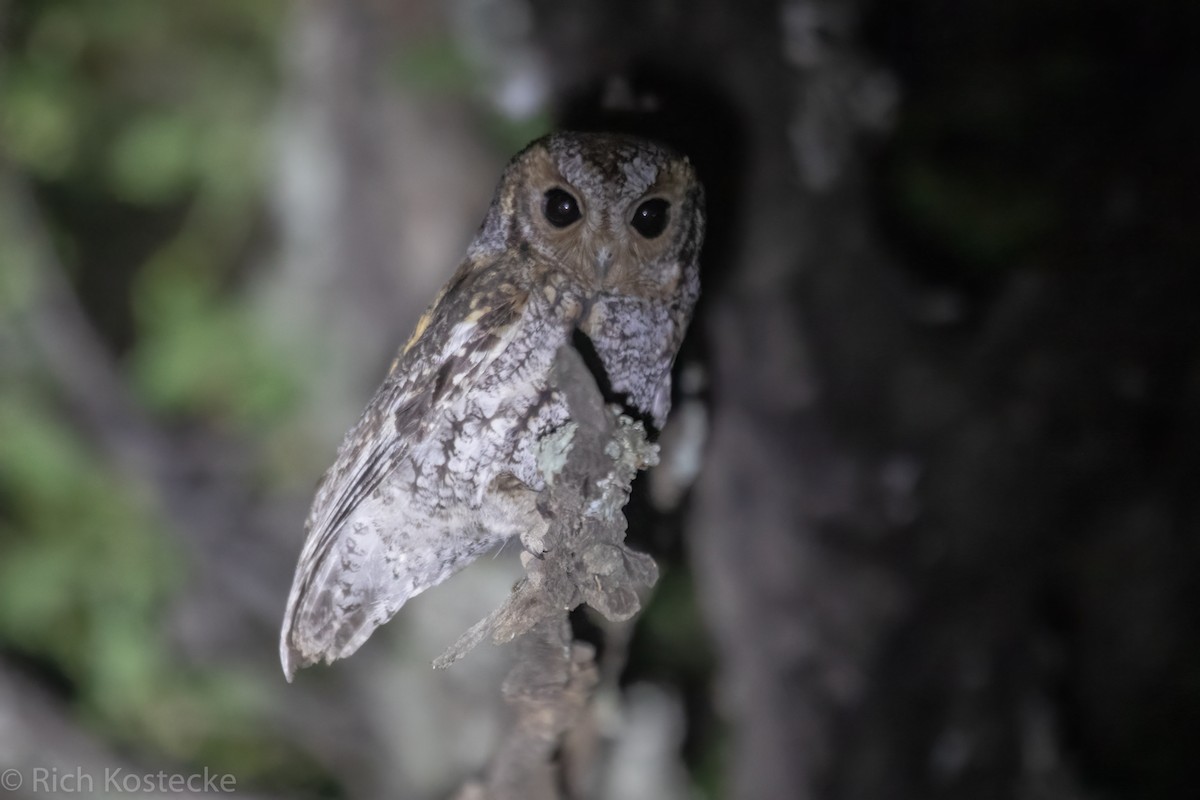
(588, 233)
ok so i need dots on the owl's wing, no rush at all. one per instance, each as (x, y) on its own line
(335, 603)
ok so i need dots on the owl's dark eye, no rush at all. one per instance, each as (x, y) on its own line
(651, 217)
(561, 208)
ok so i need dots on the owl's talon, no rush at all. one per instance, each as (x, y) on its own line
(534, 540)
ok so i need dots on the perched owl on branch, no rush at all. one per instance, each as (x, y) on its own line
(592, 234)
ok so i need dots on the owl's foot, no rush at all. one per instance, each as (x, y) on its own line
(534, 539)
(510, 509)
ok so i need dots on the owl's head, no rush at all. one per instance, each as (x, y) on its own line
(618, 214)
(617, 223)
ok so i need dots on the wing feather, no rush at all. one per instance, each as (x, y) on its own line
(456, 341)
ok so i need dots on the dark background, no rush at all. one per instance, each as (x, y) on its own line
(945, 377)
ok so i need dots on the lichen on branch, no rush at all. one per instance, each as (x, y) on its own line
(589, 466)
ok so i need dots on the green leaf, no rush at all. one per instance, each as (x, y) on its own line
(39, 121)
(153, 159)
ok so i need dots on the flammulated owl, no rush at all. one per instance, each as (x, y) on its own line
(595, 233)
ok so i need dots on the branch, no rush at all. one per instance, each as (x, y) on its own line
(588, 466)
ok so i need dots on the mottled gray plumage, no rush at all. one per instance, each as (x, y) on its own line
(442, 464)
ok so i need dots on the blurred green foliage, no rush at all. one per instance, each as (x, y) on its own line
(132, 108)
(199, 352)
(86, 573)
(144, 130)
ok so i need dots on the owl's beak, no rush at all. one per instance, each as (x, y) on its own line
(604, 260)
